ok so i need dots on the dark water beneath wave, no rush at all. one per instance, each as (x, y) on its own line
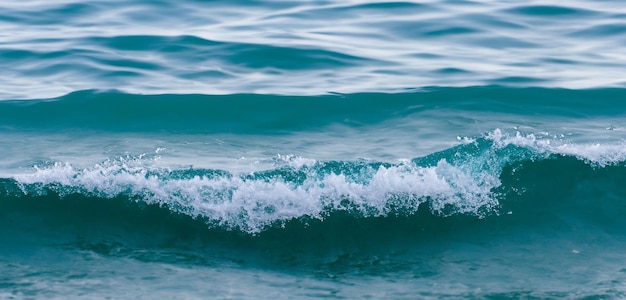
(312, 149)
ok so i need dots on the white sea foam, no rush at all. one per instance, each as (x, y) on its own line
(597, 153)
(252, 203)
(294, 161)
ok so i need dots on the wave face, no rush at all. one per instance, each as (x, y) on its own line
(114, 111)
(226, 47)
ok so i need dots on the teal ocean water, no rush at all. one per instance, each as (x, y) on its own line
(312, 149)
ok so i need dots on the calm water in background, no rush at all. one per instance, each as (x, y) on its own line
(306, 47)
(310, 149)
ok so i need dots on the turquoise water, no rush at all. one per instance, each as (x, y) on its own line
(312, 149)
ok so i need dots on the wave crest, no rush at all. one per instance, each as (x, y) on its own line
(466, 179)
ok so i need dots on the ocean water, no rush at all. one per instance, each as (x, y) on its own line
(312, 149)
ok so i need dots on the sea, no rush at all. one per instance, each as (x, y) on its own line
(283, 149)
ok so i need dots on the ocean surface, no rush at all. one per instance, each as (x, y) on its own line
(278, 149)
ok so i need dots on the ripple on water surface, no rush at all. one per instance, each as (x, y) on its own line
(307, 47)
